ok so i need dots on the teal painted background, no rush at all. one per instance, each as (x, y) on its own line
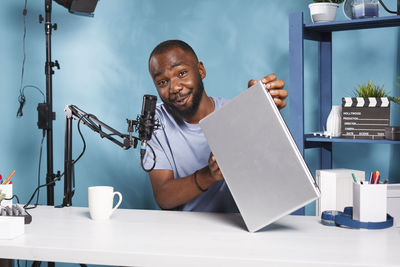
(104, 72)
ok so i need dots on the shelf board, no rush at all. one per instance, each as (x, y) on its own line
(310, 138)
(355, 24)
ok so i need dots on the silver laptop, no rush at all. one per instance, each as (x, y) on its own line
(259, 159)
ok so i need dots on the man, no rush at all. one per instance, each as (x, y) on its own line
(186, 175)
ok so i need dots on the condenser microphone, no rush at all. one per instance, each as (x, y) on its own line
(147, 121)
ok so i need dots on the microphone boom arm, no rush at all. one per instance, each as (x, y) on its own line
(91, 121)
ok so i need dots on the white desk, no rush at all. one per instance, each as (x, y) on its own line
(167, 238)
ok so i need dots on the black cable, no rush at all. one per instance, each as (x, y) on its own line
(35, 87)
(37, 189)
(40, 160)
(14, 196)
(21, 97)
(142, 153)
(83, 139)
(83, 150)
(23, 46)
(387, 10)
(39, 186)
(58, 177)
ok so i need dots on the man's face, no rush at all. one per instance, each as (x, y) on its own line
(177, 76)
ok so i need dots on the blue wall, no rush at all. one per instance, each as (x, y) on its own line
(104, 72)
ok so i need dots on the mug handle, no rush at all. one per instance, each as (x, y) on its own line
(119, 201)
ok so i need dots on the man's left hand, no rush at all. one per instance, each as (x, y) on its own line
(275, 88)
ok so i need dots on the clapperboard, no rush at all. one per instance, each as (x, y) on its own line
(365, 117)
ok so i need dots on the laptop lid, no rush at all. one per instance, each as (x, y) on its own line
(258, 157)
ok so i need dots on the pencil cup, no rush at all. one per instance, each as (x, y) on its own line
(7, 190)
(101, 200)
(369, 202)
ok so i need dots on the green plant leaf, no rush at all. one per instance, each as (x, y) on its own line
(370, 90)
(395, 99)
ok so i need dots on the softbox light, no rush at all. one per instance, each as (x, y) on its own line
(79, 7)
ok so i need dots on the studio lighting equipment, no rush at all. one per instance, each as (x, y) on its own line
(79, 7)
(45, 110)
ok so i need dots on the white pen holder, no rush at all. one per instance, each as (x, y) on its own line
(7, 190)
(369, 202)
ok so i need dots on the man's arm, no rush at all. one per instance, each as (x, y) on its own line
(170, 193)
(275, 88)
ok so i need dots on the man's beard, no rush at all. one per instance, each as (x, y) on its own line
(190, 111)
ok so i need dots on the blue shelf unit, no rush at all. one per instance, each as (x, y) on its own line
(321, 33)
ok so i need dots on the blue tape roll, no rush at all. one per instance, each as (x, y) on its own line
(329, 217)
(345, 218)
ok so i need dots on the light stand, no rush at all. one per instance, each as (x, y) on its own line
(45, 110)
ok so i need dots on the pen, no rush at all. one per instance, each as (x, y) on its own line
(386, 180)
(370, 178)
(354, 177)
(376, 177)
(9, 177)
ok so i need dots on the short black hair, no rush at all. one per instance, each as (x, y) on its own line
(169, 44)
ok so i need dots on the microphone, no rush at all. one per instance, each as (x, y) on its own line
(147, 121)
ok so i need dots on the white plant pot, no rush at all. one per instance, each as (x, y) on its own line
(323, 12)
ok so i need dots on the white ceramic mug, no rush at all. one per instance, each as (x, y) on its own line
(101, 202)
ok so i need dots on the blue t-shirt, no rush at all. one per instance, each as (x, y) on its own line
(182, 147)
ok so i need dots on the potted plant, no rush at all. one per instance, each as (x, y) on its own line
(324, 10)
(366, 115)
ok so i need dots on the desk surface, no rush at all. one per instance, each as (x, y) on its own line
(169, 238)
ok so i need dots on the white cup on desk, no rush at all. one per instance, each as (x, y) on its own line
(101, 202)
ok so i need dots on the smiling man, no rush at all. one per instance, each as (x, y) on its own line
(186, 175)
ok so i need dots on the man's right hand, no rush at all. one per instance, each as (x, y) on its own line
(213, 167)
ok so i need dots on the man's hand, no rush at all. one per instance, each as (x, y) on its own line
(275, 88)
(215, 172)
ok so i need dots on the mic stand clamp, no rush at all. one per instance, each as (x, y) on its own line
(132, 126)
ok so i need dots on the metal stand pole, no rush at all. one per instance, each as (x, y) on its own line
(398, 7)
(67, 200)
(47, 110)
(50, 115)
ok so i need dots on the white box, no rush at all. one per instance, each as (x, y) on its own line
(11, 226)
(369, 202)
(7, 190)
(336, 187)
(393, 203)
